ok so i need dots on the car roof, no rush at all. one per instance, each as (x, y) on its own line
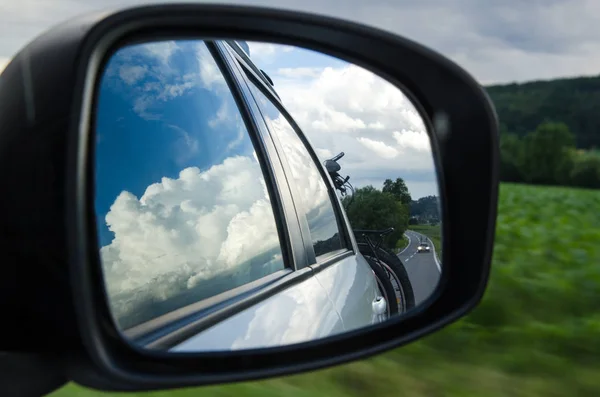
(242, 49)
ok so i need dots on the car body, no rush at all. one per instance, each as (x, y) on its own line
(334, 291)
(423, 248)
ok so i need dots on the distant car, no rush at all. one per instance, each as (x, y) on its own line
(423, 247)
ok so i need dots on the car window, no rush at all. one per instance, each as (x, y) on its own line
(309, 183)
(183, 211)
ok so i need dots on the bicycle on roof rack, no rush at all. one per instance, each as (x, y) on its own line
(389, 270)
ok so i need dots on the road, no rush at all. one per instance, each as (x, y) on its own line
(422, 269)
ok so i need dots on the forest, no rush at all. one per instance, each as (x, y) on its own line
(548, 131)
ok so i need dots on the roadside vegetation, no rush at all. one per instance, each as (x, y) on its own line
(534, 334)
(401, 244)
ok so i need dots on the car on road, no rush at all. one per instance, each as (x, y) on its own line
(304, 263)
(423, 248)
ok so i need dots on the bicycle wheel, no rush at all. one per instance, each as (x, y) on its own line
(397, 275)
(385, 286)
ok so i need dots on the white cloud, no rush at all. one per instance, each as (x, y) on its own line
(351, 110)
(161, 50)
(131, 74)
(186, 146)
(417, 140)
(308, 181)
(380, 148)
(324, 153)
(185, 230)
(299, 72)
(264, 53)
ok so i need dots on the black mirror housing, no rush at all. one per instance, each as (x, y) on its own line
(46, 96)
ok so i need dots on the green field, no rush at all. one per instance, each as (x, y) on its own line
(536, 333)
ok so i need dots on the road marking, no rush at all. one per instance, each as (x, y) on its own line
(407, 259)
(407, 245)
(435, 258)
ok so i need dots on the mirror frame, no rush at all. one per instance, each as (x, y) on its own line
(76, 315)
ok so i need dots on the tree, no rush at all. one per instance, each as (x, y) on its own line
(399, 189)
(511, 158)
(547, 158)
(574, 101)
(586, 172)
(426, 209)
(375, 209)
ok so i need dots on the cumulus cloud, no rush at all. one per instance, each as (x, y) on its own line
(131, 74)
(264, 53)
(202, 225)
(379, 148)
(413, 140)
(308, 182)
(299, 72)
(349, 109)
(183, 231)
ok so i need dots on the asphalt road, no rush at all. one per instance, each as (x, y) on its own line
(422, 269)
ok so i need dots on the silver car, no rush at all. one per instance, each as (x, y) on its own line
(423, 248)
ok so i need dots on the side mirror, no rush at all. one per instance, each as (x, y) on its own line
(179, 220)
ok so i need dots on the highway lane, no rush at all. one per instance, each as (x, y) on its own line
(422, 269)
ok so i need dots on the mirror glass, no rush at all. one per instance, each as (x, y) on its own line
(252, 195)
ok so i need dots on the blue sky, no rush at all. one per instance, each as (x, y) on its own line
(274, 57)
(158, 103)
(138, 148)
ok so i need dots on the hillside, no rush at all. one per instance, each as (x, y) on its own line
(574, 101)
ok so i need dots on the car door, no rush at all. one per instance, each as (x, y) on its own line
(332, 252)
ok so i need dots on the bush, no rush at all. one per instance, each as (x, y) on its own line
(586, 172)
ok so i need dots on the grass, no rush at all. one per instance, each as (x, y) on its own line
(433, 232)
(401, 244)
(536, 332)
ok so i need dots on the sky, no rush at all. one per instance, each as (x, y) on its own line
(495, 40)
(344, 108)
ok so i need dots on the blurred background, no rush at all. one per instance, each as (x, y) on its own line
(536, 332)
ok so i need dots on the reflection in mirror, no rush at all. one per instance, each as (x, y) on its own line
(228, 173)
